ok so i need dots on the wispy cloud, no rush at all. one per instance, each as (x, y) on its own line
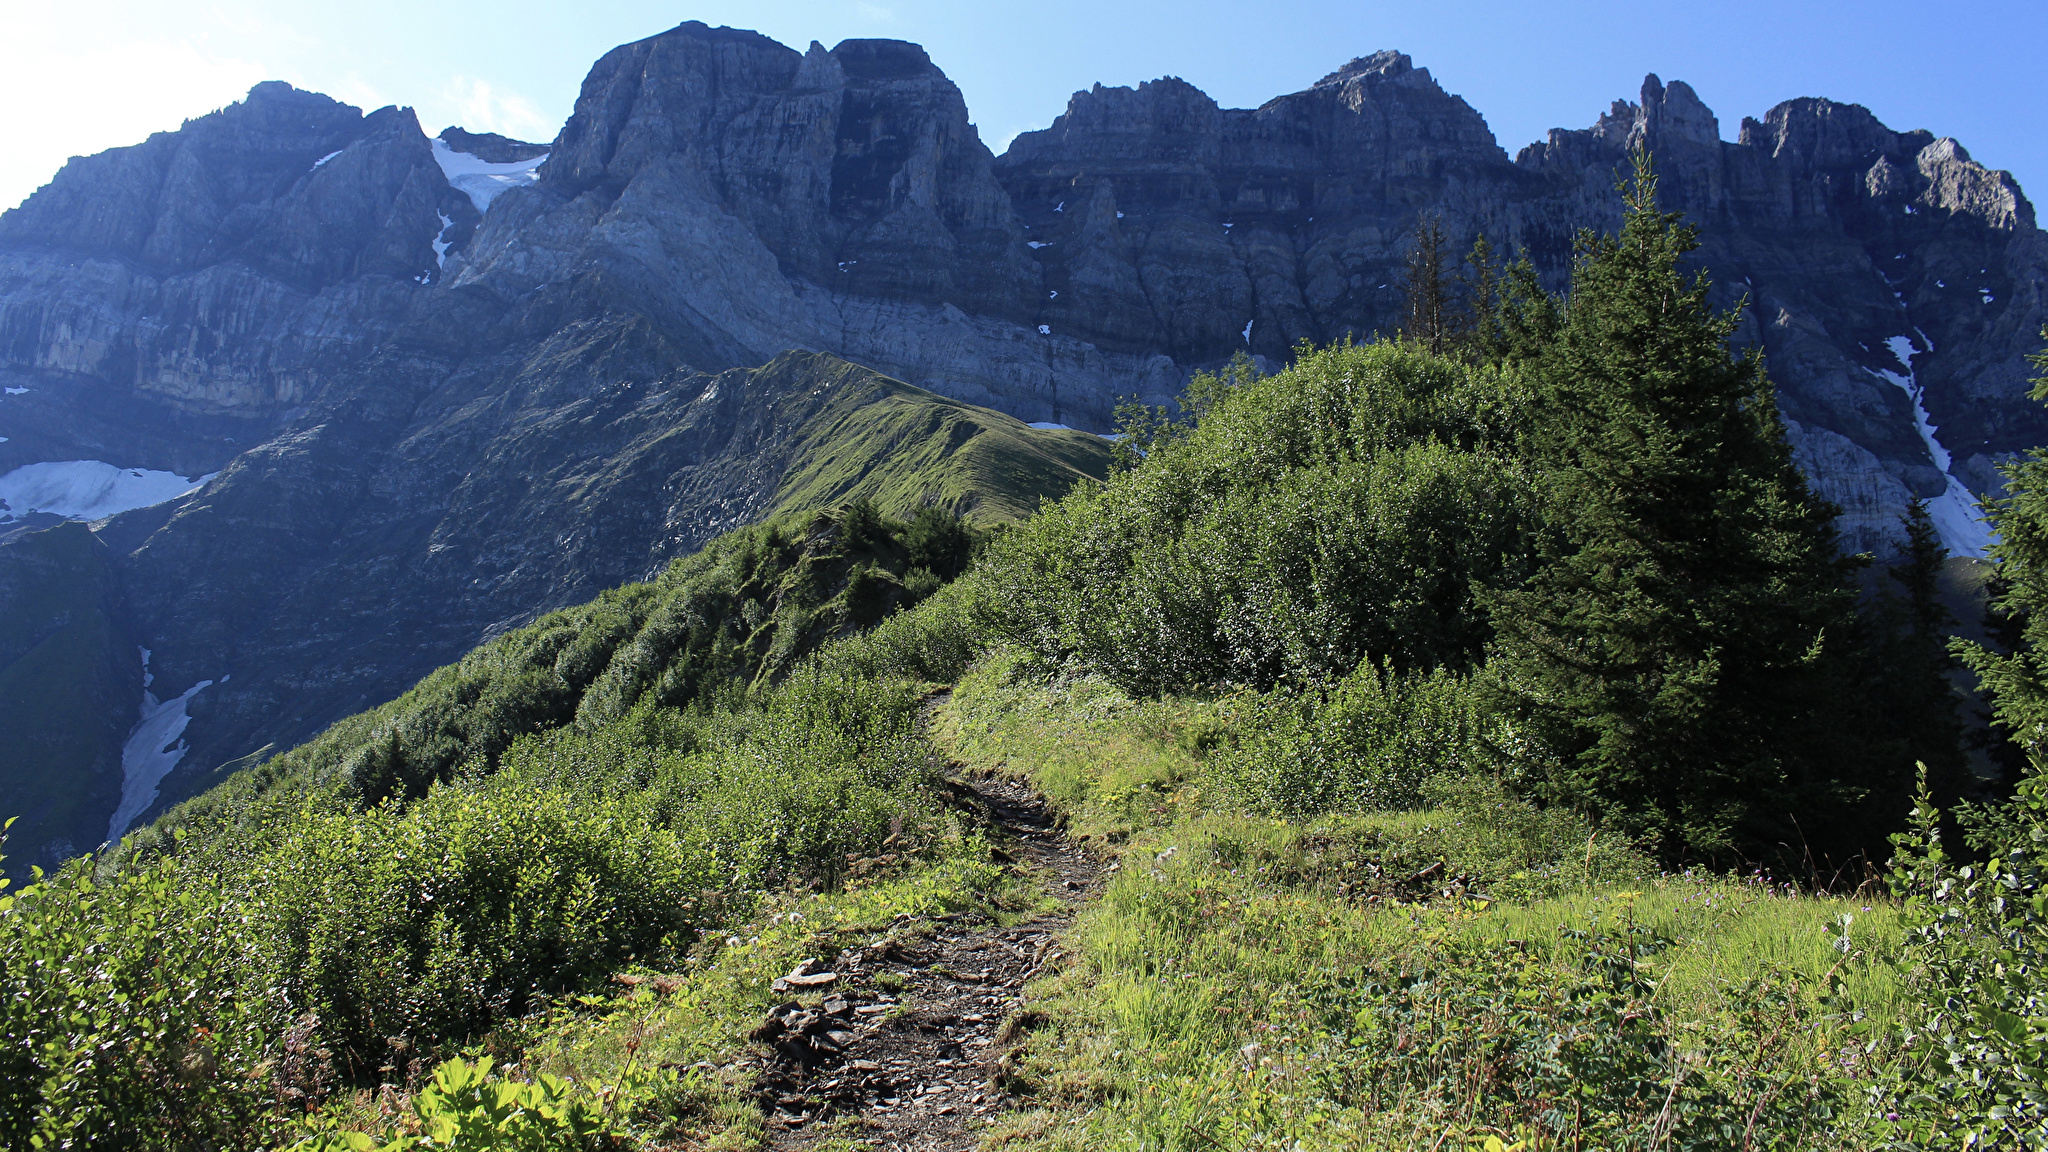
(483, 107)
(875, 12)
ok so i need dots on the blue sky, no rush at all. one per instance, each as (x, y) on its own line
(85, 75)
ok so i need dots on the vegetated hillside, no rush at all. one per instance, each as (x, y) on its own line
(734, 619)
(450, 384)
(1419, 900)
(587, 489)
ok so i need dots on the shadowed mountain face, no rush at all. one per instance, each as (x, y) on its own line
(448, 384)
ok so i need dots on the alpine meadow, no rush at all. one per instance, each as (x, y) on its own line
(1486, 734)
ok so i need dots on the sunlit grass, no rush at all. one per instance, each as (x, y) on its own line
(1201, 1008)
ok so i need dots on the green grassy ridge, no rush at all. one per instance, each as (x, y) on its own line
(732, 618)
(832, 433)
(904, 448)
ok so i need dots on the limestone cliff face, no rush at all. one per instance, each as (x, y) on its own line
(1172, 224)
(437, 411)
(166, 305)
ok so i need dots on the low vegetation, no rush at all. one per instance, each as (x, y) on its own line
(1437, 814)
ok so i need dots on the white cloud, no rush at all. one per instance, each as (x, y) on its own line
(105, 94)
(875, 12)
(480, 106)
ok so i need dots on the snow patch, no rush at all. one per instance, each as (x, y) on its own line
(1986, 294)
(441, 244)
(1248, 330)
(1963, 529)
(1045, 329)
(1035, 245)
(154, 747)
(18, 391)
(326, 158)
(1049, 426)
(88, 489)
(481, 180)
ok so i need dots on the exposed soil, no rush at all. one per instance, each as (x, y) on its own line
(903, 1051)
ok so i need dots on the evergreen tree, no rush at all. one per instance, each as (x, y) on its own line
(1680, 663)
(939, 541)
(2017, 679)
(1432, 319)
(1920, 701)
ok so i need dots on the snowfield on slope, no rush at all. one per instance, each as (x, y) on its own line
(1957, 519)
(88, 489)
(482, 180)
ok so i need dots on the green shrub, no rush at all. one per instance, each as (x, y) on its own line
(934, 641)
(1339, 511)
(434, 921)
(463, 1109)
(1977, 961)
(121, 1023)
(1369, 741)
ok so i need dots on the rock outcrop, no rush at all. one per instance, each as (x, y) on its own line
(448, 384)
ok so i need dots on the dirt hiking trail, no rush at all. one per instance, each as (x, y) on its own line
(904, 1051)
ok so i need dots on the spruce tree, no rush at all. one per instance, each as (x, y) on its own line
(1432, 313)
(1919, 699)
(2017, 679)
(1679, 663)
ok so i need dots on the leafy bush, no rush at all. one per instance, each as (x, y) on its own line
(934, 641)
(463, 1109)
(1339, 511)
(1368, 741)
(408, 925)
(402, 926)
(1977, 958)
(121, 1025)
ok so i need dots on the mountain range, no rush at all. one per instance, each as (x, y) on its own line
(339, 400)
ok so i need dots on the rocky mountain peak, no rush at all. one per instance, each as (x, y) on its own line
(1381, 66)
(1955, 183)
(1667, 114)
(1817, 134)
(490, 147)
(885, 60)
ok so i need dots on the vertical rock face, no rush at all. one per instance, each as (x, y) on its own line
(1168, 223)
(70, 687)
(437, 412)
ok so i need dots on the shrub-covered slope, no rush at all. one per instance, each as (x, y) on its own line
(617, 473)
(1350, 907)
(735, 617)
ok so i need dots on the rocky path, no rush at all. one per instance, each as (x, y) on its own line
(902, 1050)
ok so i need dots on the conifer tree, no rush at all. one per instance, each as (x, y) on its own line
(2017, 680)
(1920, 701)
(1678, 664)
(1432, 313)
